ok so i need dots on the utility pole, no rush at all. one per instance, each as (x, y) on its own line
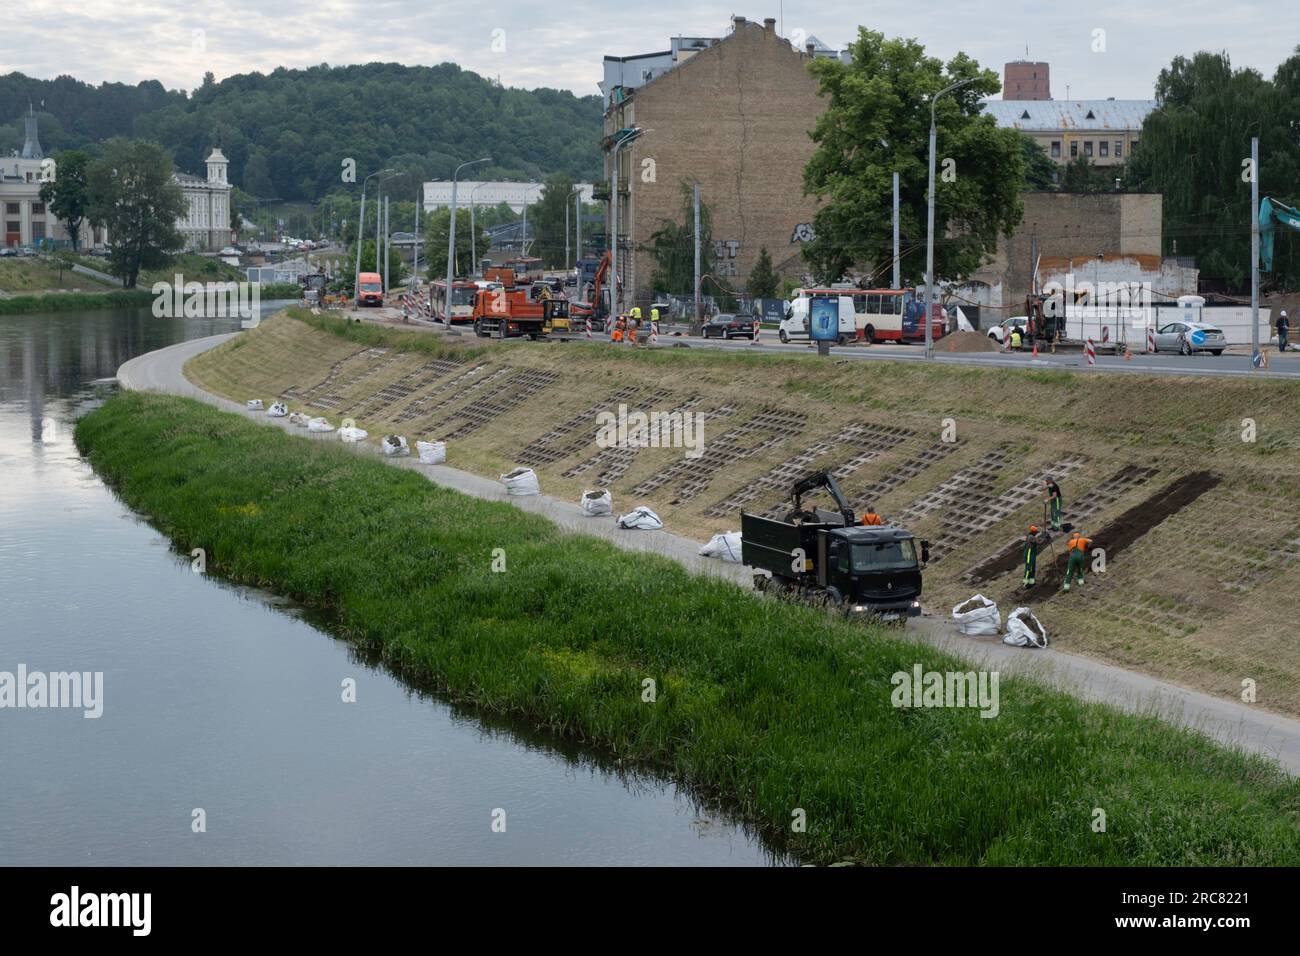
(929, 235)
(415, 263)
(1254, 250)
(523, 237)
(451, 237)
(577, 225)
(897, 283)
(696, 203)
(379, 223)
(566, 235)
(386, 241)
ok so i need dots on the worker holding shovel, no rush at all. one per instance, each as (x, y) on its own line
(1033, 541)
(1078, 552)
(1054, 502)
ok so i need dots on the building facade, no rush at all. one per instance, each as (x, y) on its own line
(25, 219)
(490, 193)
(1105, 131)
(206, 223)
(732, 115)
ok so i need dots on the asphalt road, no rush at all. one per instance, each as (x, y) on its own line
(1227, 721)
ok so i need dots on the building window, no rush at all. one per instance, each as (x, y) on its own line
(1074, 148)
(11, 208)
(38, 231)
(1087, 147)
(38, 209)
(1103, 148)
(13, 226)
(1056, 149)
(1119, 148)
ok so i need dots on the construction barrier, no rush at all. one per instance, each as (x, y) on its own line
(1090, 351)
(588, 326)
(758, 329)
(654, 333)
(1151, 340)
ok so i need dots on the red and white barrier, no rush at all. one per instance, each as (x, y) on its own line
(1151, 340)
(588, 326)
(1090, 352)
(654, 333)
(758, 330)
(1105, 334)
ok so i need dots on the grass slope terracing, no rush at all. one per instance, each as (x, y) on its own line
(769, 707)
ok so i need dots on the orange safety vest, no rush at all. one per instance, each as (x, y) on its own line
(872, 518)
(1080, 543)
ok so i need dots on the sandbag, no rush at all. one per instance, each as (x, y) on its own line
(431, 452)
(977, 617)
(1024, 629)
(640, 519)
(278, 410)
(724, 546)
(595, 503)
(255, 404)
(395, 445)
(299, 419)
(352, 433)
(319, 425)
(521, 481)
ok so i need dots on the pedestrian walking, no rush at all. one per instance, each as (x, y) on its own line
(1283, 330)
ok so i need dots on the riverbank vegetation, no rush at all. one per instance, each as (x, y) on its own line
(76, 301)
(776, 710)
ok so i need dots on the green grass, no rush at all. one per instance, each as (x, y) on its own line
(765, 706)
(75, 301)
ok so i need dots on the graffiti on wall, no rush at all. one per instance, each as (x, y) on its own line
(803, 232)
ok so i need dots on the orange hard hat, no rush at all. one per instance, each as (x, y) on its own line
(1033, 529)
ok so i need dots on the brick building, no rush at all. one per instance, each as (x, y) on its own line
(1026, 80)
(732, 114)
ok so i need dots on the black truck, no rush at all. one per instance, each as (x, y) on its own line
(828, 559)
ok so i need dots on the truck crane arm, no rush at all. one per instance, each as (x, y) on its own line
(819, 479)
(1272, 212)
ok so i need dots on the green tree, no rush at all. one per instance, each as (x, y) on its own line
(370, 262)
(672, 246)
(133, 194)
(877, 120)
(549, 217)
(1193, 151)
(1040, 170)
(433, 230)
(762, 278)
(68, 195)
(1082, 176)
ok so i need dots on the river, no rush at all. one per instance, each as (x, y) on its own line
(224, 738)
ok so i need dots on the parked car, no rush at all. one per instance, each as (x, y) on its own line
(726, 325)
(8, 251)
(1188, 337)
(999, 332)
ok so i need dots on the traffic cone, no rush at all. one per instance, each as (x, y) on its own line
(1034, 354)
(1128, 353)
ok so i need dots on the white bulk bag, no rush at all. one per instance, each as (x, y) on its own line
(521, 481)
(255, 404)
(1024, 629)
(352, 433)
(595, 503)
(724, 546)
(278, 410)
(977, 617)
(431, 452)
(319, 425)
(640, 519)
(299, 419)
(395, 445)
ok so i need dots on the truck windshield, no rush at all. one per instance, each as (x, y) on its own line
(885, 556)
(370, 287)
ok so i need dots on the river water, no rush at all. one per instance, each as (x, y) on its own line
(223, 707)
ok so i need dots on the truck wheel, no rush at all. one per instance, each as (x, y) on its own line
(842, 341)
(478, 329)
(785, 339)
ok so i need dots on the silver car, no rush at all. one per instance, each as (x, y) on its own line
(1188, 337)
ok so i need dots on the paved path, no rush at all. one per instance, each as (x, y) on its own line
(1230, 722)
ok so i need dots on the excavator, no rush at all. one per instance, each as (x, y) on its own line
(597, 309)
(1272, 212)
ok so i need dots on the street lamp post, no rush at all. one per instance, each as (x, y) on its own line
(929, 236)
(577, 225)
(451, 237)
(361, 224)
(623, 138)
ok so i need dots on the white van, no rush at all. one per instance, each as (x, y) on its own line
(794, 327)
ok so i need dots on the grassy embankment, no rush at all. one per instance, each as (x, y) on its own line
(1200, 599)
(766, 706)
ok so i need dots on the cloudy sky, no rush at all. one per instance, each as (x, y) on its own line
(1106, 49)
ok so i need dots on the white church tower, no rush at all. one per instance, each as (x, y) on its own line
(217, 164)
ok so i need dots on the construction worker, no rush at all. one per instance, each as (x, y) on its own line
(1033, 541)
(1283, 330)
(617, 334)
(1078, 552)
(1054, 502)
(654, 319)
(1015, 338)
(871, 518)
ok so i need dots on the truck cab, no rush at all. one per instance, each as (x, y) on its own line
(873, 569)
